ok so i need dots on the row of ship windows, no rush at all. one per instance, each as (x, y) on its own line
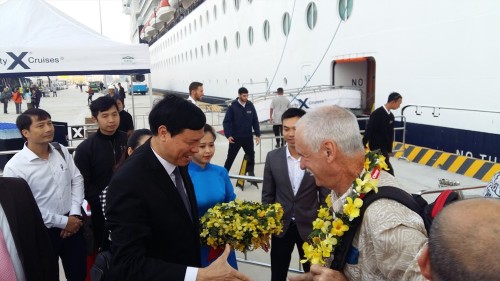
(226, 81)
(311, 12)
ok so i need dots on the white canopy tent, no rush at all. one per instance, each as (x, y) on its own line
(36, 39)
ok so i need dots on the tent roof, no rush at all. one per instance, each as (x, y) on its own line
(37, 39)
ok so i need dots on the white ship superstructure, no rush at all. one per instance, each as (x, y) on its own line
(440, 55)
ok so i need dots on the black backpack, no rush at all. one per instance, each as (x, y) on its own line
(414, 202)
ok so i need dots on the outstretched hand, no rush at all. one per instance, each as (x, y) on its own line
(320, 273)
(221, 270)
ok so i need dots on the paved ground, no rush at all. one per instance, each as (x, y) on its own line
(71, 106)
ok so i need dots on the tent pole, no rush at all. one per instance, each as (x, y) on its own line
(150, 90)
(131, 87)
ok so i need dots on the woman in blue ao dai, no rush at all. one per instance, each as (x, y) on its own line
(211, 185)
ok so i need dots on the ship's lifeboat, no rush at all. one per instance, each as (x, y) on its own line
(149, 29)
(144, 36)
(164, 12)
(187, 3)
(174, 4)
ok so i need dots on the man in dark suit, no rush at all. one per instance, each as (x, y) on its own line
(285, 183)
(379, 133)
(151, 207)
(35, 258)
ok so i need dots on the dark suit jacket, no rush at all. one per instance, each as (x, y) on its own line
(153, 236)
(379, 132)
(278, 188)
(30, 234)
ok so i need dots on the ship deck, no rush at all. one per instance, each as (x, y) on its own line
(71, 106)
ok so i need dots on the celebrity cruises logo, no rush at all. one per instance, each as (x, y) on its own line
(128, 60)
(22, 60)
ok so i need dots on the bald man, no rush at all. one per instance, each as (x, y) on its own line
(464, 243)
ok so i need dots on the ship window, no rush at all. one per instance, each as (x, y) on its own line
(201, 51)
(312, 15)
(266, 30)
(191, 54)
(216, 44)
(250, 1)
(190, 30)
(196, 53)
(250, 35)
(208, 49)
(224, 6)
(345, 9)
(215, 12)
(285, 81)
(236, 5)
(225, 44)
(201, 21)
(286, 24)
(237, 39)
(194, 25)
(185, 31)
(208, 17)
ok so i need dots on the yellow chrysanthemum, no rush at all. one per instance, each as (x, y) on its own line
(351, 208)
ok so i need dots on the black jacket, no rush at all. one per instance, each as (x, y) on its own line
(239, 120)
(154, 238)
(95, 157)
(379, 133)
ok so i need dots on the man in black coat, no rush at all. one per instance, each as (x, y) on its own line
(151, 207)
(379, 132)
(34, 249)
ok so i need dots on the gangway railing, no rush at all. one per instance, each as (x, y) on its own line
(401, 128)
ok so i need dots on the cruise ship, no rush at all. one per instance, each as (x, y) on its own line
(440, 55)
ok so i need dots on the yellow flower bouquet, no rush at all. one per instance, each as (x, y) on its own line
(244, 225)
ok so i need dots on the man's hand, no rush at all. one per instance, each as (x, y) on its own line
(320, 273)
(302, 277)
(230, 139)
(221, 270)
(257, 140)
(72, 226)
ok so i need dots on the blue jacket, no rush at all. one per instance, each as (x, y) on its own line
(239, 120)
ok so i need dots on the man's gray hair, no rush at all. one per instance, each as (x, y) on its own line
(331, 123)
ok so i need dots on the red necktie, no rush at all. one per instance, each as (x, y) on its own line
(7, 272)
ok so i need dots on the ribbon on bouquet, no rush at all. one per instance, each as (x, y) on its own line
(213, 254)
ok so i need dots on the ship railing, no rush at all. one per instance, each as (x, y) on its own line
(452, 114)
(296, 91)
(401, 127)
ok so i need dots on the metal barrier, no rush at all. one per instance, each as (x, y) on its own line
(402, 128)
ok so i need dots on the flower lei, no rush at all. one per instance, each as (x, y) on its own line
(326, 235)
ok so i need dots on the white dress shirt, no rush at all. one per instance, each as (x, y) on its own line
(11, 246)
(56, 183)
(294, 171)
(190, 99)
(191, 272)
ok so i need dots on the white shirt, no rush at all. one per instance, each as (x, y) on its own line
(56, 184)
(294, 171)
(190, 99)
(11, 246)
(191, 272)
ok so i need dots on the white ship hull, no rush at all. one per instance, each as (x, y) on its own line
(435, 53)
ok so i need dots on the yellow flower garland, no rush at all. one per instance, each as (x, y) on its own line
(326, 235)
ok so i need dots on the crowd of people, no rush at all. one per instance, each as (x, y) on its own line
(31, 95)
(147, 190)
